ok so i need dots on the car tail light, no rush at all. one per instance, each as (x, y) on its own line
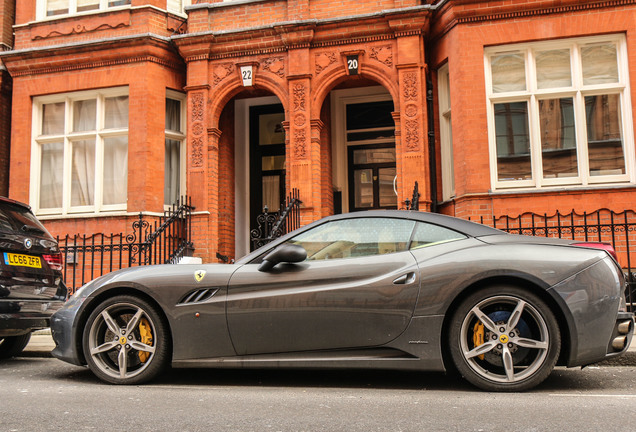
(54, 261)
(599, 245)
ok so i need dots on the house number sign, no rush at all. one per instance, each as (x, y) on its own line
(352, 64)
(246, 75)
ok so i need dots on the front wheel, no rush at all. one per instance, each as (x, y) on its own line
(126, 341)
(504, 339)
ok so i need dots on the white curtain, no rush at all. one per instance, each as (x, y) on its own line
(116, 112)
(599, 64)
(56, 7)
(172, 171)
(85, 5)
(53, 119)
(83, 173)
(508, 72)
(51, 175)
(553, 69)
(271, 192)
(115, 170)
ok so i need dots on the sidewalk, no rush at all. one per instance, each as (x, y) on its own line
(42, 343)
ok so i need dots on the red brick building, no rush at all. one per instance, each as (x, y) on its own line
(120, 106)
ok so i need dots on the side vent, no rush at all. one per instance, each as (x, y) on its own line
(198, 296)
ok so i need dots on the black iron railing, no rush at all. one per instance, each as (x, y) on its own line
(276, 224)
(165, 240)
(604, 225)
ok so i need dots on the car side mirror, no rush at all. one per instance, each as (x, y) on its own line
(287, 253)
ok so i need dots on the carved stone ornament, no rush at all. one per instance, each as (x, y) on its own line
(383, 54)
(299, 97)
(222, 71)
(300, 119)
(412, 136)
(197, 128)
(197, 152)
(411, 110)
(324, 60)
(106, 22)
(197, 107)
(275, 65)
(300, 143)
(410, 86)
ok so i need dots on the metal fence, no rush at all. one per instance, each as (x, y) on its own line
(604, 225)
(274, 225)
(166, 239)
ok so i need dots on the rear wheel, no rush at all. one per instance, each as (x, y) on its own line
(11, 346)
(126, 341)
(504, 338)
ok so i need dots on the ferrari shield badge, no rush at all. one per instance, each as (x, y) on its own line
(199, 275)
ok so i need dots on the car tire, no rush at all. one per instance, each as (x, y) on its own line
(126, 341)
(504, 338)
(11, 346)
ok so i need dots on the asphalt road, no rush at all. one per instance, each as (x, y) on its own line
(45, 394)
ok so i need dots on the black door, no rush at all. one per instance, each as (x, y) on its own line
(371, 177)
(267, 159)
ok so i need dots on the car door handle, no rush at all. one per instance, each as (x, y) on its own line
(405, 279)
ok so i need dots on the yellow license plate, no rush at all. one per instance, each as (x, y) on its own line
(14, 259)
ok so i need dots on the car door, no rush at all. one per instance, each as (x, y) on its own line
(357, 288)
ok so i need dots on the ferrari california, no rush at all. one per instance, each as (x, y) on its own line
(379, 289)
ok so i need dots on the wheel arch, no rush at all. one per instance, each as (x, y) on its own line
(129, 290)
(567, 343)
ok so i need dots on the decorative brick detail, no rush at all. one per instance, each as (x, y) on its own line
(410, 86)
(383, 54)
(324, 60)
(299, 97)
(300, 140)
(275, 65)
(222, 71)
(197, 152)
(197, 107)
(412, 135)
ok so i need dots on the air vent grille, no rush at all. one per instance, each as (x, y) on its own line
(198, 296)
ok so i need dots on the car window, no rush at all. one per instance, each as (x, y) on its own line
(428, 234)
(360, 237)
(15, 219)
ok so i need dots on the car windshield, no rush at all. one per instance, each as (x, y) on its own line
(17, 219)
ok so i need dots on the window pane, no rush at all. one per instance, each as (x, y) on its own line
(363, 188)
(428, 234)
(271, 192)
(370, 115)
(116, 112)
(379, 155)
(51, 175)
(604, 137)
(112, 3)
(599, 64)
(83, 173)
(86, 5)
(558, 138)
(273, 163)
(387, 193)
(84, 115)
(508, 72)
(356, 238)
(513, 141)
(172, 172)
(56, 7)
(553, 69)
(115, 170)
(53, 119)
(173, 115)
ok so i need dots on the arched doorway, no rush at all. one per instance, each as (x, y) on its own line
(363, 146)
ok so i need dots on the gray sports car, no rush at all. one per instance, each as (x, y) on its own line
(380, 289)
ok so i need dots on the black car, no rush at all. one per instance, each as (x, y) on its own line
(31, 284)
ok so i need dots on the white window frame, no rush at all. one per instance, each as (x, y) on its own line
(72, 9)
(68, 137)
(577, 91)
(446, 133)
(181, 137)
(339, 144)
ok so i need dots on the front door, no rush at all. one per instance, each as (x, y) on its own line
(371, 177)
(267, 159)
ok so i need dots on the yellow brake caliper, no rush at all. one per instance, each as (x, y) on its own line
(478, 336)
(145, 332)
